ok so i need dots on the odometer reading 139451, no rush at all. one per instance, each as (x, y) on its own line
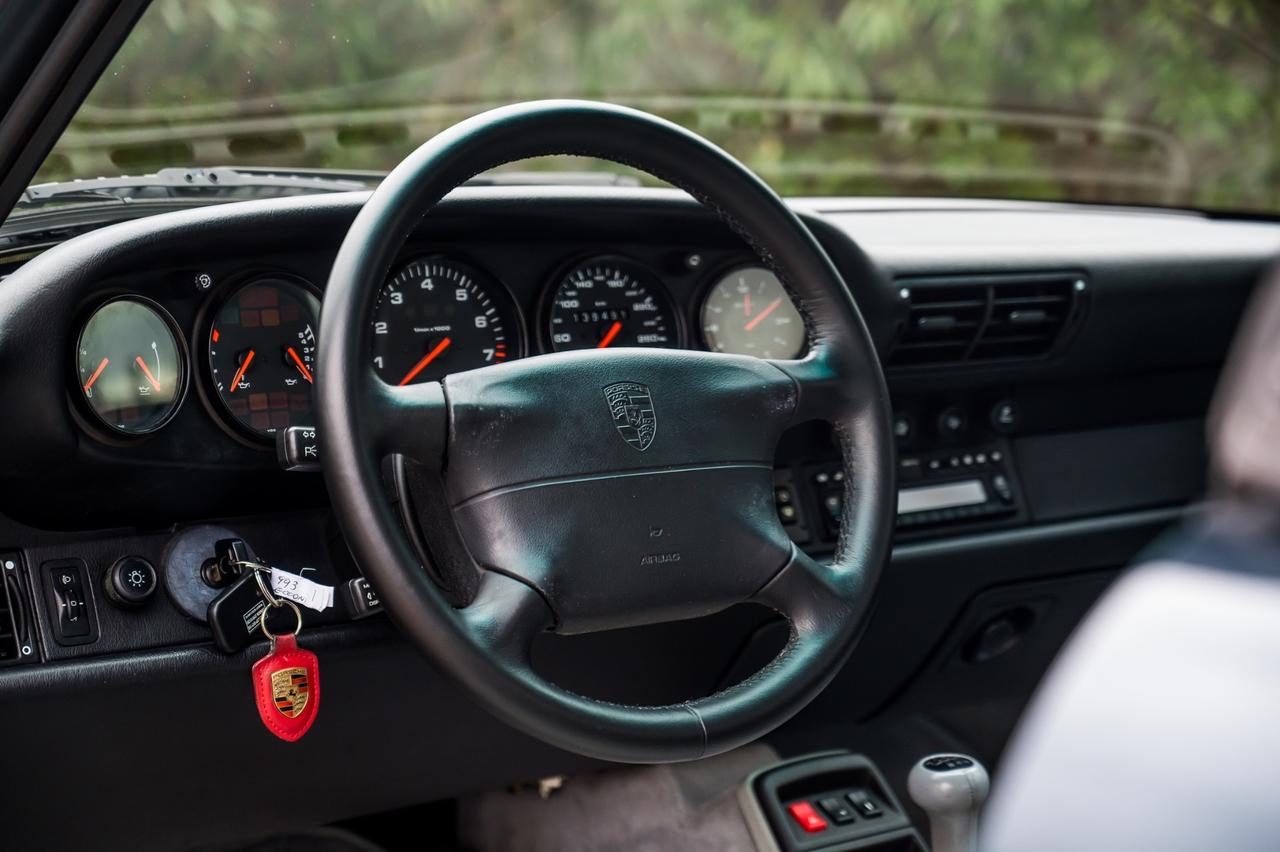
(438, 316)
(610, 302)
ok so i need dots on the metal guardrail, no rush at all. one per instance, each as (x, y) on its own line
(801, 142)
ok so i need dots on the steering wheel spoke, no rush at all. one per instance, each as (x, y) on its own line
(828, 386)
(504, 617)
(411, 421)
(812, 595)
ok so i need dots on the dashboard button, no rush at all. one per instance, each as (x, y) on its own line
(952, 422)
(837, 809)
(130, 582)
(904, 428)
(1005, 416)
(806, 817)
(864, 804)
(1000, 484)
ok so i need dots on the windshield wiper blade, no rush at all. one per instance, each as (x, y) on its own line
(218, 183)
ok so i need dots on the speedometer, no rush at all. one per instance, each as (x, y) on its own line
(611, 302)
(438, 316)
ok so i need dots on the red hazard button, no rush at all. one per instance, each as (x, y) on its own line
(804, 814)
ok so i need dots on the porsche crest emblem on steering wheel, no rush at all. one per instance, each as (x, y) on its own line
(631, 405)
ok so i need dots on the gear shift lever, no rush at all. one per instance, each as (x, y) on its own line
(950, 788)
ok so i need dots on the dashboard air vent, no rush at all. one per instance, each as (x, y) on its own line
(11, 616)
(16, 642)
(986, 319)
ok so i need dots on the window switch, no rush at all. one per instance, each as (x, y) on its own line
(806, 817)
(864, 804)
(840, 811)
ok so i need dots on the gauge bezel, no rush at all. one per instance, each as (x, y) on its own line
(480, 274)
(184, 367)
(723, 272)
(547, 300)
(216, 301)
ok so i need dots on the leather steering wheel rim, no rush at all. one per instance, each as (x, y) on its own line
(716, 418)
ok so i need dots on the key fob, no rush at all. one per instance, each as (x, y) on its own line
(233, 615)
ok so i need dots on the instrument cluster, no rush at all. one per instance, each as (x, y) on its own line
(253, 347)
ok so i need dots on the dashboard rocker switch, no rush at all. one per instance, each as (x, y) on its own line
(68, 602)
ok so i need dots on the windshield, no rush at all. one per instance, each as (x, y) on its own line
(1164, 103)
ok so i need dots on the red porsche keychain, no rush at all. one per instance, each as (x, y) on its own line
(286, 681)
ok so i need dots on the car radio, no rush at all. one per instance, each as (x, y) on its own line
(935, 488)
(954, 485)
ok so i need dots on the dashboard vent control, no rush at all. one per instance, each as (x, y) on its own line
(16, 623)
(985, 319)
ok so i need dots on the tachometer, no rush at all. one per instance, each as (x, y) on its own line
(611, 301)
(749, 312)
(438, 316)
(262, 349)
(131, 366)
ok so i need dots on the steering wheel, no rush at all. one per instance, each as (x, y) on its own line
(609, 488)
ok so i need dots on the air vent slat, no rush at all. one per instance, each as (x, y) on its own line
(955, 321)
(9, 620)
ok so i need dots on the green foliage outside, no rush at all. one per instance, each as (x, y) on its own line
(1162, 102)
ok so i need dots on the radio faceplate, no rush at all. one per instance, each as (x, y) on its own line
(951, 486)
(943, 488)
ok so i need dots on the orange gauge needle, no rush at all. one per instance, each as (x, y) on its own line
(248, 359)
(746, 304)
(98, 372)
(760, 316)
(302, 368)
(146, 371)
(426, 359)
(609, 335)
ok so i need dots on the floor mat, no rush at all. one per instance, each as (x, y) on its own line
(317, 840)
(677, 808)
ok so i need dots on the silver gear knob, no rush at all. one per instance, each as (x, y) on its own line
(950, 788)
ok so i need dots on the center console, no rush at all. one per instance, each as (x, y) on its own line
(836, 801)
(829, 801)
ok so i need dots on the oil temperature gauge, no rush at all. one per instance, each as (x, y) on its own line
(262, 350)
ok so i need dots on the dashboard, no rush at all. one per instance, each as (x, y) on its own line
(1050, 368)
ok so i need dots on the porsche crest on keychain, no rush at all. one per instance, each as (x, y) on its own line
(286, 683)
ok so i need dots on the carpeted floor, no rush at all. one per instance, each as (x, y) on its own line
(676, 808)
